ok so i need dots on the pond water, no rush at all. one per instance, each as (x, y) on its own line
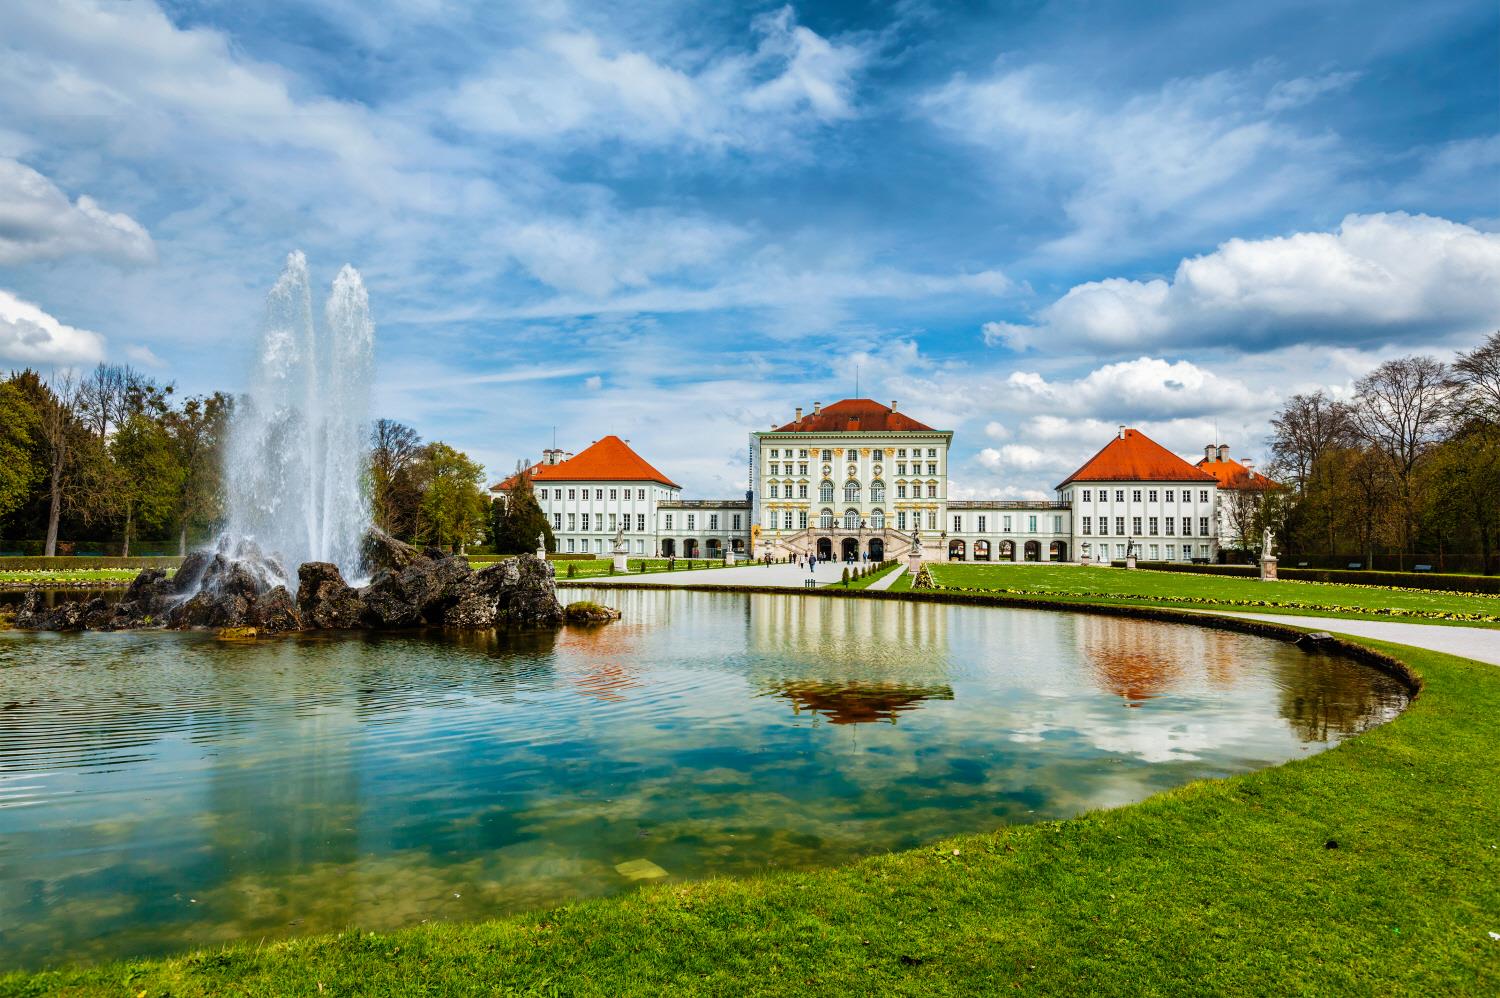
(166, 790)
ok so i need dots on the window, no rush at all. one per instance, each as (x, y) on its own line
(775, 469)
(1119, 526)
(1135, 495)
(570, 545)
(802, 452)
(879, 455)
(1005, 521)
(932, 469)
(851, 519)
(802, 491)
(1103, 525)
(1119, 550)
(801, 520)
(1203, 526)
(692, 520)
(900, 469)
(1171, 524)
(1153, 525)
(901, 452)
(1031, 524)
(669, 521)
(640, 521)
(932, 452)
(598, 493)
(1187, 526)
(1119, 495)
(1170, 498)
(877, 491)
(801, 469)
(786, 520)
(1088, 495)
(1154, 549)
(572, 493)
(900, 491)
(1171, 551)
(900, 519)
(825, 519)
(1088, 525)
(958, 523)
(737, 521)
(825, 492)
(614, 522)
(775, 490)
(982, 527)
(877, 519)
(1151, 496)
(1203, 495)
(851, 492)
(556, 521)
(828, 455)
(640, 493)
(614, 494)
(585, 521)
(931, 521)
(1135, 525)
(850, 454)
(713, 521)
(932, 491)
(1057, 524)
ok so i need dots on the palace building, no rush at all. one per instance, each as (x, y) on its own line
(859, 480)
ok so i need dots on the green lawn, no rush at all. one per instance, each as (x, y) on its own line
(867, 581)
(68, 577)
(1371, 869)
(590, 568)
(1145, 587)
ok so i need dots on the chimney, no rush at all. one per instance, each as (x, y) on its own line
(1223, 452)
(1208, 452)
(893, 405)
(816, 407)
(799, 414)
(1250, 467)
(1122, 431)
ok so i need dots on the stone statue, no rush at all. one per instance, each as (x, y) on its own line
(541, 544)
(916, 541)
(620, 547)
(1268, 539)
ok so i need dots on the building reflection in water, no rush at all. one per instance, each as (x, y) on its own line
(1138, 662)
(850, 661)
(1328, 699)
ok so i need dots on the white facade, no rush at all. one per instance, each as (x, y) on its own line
(1164, 521)
(586, 515)
(702, 528)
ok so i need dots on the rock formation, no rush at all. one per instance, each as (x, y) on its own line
(409, 588)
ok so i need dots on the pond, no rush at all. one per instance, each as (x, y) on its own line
(160, 791)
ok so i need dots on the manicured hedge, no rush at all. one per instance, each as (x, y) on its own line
(74, 563)
(1487, 584)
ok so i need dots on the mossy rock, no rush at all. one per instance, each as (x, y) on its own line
(236, 633)
(589, 612)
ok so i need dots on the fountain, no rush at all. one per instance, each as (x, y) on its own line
(298, 442)
(298, 550)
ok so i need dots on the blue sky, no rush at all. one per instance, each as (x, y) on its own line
(1028, 222)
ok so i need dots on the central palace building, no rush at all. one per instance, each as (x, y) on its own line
(858, 480)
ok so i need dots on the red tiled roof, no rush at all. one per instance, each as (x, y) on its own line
(1233, 475)
(1135, 457)
(606, 460)
(855, 415)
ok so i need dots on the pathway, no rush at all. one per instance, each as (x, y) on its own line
(1479, 643)
(885, 582)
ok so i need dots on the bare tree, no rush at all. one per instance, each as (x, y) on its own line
(58, 405)
(1475, 380)
(1400, 412)
(112, 393)
(1309, 431)
(394, 451)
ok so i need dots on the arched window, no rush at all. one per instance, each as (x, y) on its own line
(851, 492)
(877, 519)
(825, 492)
(851, 519)
(825, 518)
(877, 491)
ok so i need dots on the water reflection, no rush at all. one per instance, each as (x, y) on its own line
(159, 791)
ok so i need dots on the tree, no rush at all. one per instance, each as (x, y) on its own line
(62, 437)
(1306, 431)
(452, 507)
(517, 520)
(1400, 412)
(394, 450)
(146, 475)
(196, 434)
(1475, 378)
(112, 393)
(19, 426)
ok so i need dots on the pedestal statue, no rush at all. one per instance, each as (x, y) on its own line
(1267, 556)
(620, 550)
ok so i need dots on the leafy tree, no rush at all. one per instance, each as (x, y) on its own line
(452, 507)
(517, 520)
(196, 434)
(146, 477)
(394, 451)
(19, 426)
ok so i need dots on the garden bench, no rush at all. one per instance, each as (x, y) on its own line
(1356, 564)
(1301, 564)
(1422, 568)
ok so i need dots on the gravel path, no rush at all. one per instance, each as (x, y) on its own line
(1479, 643)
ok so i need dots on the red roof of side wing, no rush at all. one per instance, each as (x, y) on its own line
(1234, 475)
(606, 460)
(855, 415)
(1135, 457)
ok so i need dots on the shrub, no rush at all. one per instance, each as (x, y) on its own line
(572, 570)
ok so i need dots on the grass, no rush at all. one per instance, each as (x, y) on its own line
(1143, 587)
(869, 580)
(1373, 868)
(68, 578)
(593, 568)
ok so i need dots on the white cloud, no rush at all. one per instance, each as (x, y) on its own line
(1305, 89)
(1145, 388)
(593, 382)
(1197, 153)
(29, 335)
(139, 353)
(38, 222)
(1376, 278)
(576, 85)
